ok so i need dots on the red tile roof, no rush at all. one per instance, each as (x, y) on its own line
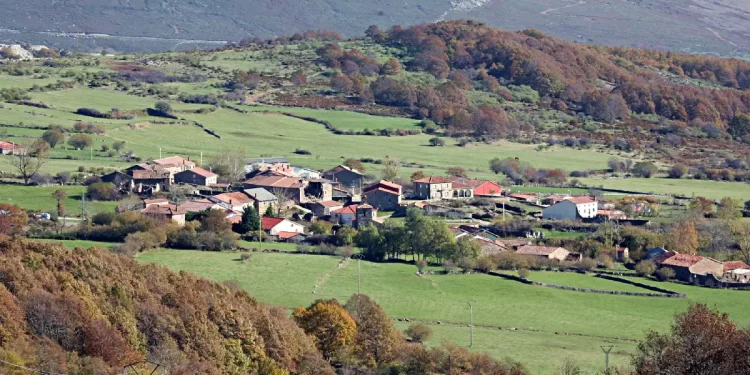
(729, 266)
(389, 191)
(348, 210)
(434, 180)
(202, 172)
(4, 144)
(197, 206)
(174, 160)
(340, 168)
(168, 209)
(523, 196)
(276, 181)
(581, 200)
(234, 198)
(682, 260)
(385, 186)
(536, 250)
(269, 223)
(287, 235)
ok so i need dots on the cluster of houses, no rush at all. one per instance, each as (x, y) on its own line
(700, 270)
(340, 195)
(567, 207)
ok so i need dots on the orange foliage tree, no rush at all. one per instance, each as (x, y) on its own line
(329, 324)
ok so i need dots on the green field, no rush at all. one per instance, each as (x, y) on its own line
(39, 198)
(72, 244)
(698, 188)
(499, 302)
(582, 281)
(345, 120)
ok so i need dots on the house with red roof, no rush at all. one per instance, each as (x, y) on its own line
(736, 272)
(10, 148)
(235, 201)
(196, 176)
(571, 209)
(276, 225)
(175, 163)
(383, 195)
(483, 188)
(689, 268)
(350, 214)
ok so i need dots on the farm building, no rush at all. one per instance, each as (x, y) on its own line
(196, 176)
(166, 212)
(623, 253)
(175, 163)
(571, 209)
(432, 188)
(9, 148)
(263, 199)
(296, 189)
(151, 181)
(383, 195)
(688, 267)
(274, 226)
(547, 252)
(348, 178)
(324, 208)
(235, 201)
(122, 181)
(200, 206)
(526, 198)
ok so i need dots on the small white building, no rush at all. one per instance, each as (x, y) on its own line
(275, 226)
(572, 209)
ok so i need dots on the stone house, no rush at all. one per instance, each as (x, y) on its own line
(122, 181)
(383, 195)
(349, 215)
(324, 208)
(295, 189)
(263, 199)
(571, 209)
(151, 181)
(689, 268)
(433, 188)
(175, 163)
(165, 212)
(196, 176)
(348, 178)
(235, 201)
(546, 252)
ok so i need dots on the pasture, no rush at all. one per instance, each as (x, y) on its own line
(550, 313)
(687, 187)
(39, 198)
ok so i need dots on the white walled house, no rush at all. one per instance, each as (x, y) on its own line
(572, 209)
(274, 226)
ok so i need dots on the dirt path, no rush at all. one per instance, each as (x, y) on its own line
(550, 10)
(720, 37)
(320, 282)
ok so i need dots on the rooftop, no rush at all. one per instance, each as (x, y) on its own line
(735, 265)
(581, 200)
(681, 260)
(168, 209)
(536, 250)
(233, 198)
(149, 174)
(434, 180)
(174, 160)
(269, 223)
(276, 181)
(260, 194)
(330, 203)
(201, 172)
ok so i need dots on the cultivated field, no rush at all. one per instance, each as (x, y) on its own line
(500, 303)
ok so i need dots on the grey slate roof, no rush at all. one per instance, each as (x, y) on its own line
(260, 194)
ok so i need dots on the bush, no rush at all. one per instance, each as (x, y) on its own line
(645, 268)
(585, 265)
(523, 273)
(421, 265)
(665, 273)
(245, 257)
(91, 113)
(485, 264)
(606, 262)
(418, 332)
(300, 151)
(436, 141)
(103, 218)
(103, 191)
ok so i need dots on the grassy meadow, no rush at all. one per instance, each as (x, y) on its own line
(500, 303)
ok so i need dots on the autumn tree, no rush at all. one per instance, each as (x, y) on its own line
(28, 160)
(377, 341)
(683, 237)
(299, 78)
(702, 205)
(330, 325)
(355, 164)
(391, 67)
(418, 175)
(728, 210)
(215, 221)
(701, 341)
(418, 332)
(60, 196)
(678, 170)
(342, 83)
(456, 172)
(13, 220)
(80, 141)
(742, 233)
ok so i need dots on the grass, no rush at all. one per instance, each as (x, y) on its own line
(704, 188)
(283, 246)
(561, 235)
(72, 244)
(499, 302)
(346, 120)
(39, 198)
(582, 281)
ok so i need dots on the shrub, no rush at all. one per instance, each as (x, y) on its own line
(103, 218)
(103, 191)
(418, 332)
(421, 265)
(523, 273)
(665, 273)
(466, 264)
(91, 113)
(300, 151)
(606, 262)
(645, 268)
(485, 264)
(80, 141)
(436, 141)
(245, 257)
(586, 265)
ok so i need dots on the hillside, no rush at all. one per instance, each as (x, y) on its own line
(697, 26)
(90, 311)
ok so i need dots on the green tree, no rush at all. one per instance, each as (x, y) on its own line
(739, 126)
(467, 247)
(346, 236)
(163, 107)
(418, 332)
(80, 141)
(118, 145)
(250, 221)
(270, 212)
(391, 168)
(645, 268)
(370, 240)
(320, 227)
(60, 196)
(645, 169)
(728, 210)
(53, 137)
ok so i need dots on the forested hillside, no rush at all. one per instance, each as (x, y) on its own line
(92, 312)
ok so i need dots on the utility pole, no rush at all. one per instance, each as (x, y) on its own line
(503, 209)
(260, 231)
(471, 323)
(606, 349)
(159, 152)
(91, 152)
(358, 257)
(201, 158)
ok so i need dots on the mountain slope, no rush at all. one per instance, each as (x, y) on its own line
(699, 26)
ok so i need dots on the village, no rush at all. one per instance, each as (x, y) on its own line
(290, 199)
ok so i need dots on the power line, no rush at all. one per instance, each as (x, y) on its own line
(30, 369)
